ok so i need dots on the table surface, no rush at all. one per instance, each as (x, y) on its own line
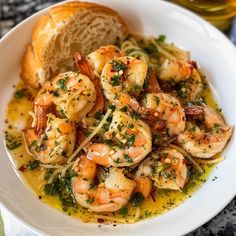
(14, 11)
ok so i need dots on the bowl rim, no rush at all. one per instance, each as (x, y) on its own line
(169, 4)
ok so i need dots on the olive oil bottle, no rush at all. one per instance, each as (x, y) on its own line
(218, 12)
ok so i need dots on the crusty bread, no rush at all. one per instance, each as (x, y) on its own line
(67, 28)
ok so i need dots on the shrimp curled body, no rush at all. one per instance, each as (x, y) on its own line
(169, 110)
(101, 56)
(56, 144)
(166, 168)
(184, 73)
(134, 137)
(123, 75)
(108, 196)
(205, 142)
(72, 94)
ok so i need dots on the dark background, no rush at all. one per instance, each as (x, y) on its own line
(14, 11)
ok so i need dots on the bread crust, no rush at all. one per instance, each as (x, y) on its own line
(42, 33)
(29, 67)
(48, 27)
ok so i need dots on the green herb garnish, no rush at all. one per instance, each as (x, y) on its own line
(118, 65)
(90, 200)
(137, 199)
(128, 158)
(32, 165)
(123, 211)
(19, 94)
(61, 83)
(130, 139)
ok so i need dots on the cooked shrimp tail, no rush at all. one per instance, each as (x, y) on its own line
(152, 83)
(85, 68)
(83, 65)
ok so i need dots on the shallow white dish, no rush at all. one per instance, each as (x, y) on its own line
(217, 58)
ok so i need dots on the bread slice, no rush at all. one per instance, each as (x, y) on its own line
(65, 29)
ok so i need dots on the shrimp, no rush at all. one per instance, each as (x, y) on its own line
(169, 110)
(101, 56)
(131, 138)
(207, 140)
(144, 185)
(85, 68)
(72, 94)
(108, 196)
(123, 75)
(185, 75)
(122, 80)
(56, 144)
(166, 168)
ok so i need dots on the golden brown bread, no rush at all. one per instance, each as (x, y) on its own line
(65, 29)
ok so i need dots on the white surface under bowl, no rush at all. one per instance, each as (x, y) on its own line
(217, 58)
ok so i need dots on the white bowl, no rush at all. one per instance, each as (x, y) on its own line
(217, 58)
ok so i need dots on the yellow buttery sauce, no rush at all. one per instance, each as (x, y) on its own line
(16, 119)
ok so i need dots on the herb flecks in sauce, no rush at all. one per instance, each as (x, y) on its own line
(58, 194)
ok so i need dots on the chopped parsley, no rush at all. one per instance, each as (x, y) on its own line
(146, 81)
(192, 129)
(72, 174)
(98, 115)
(124, 109)
(112, 107)
(108, 141)
(123, 211)
(62, 112)
(128, 158)
(61, 83)
(117, 161)
(32, 165)
(137, 199)
(216, 127)
(115, 80)
(12, 142)
(157, 100)
(131, 125)
(161, 38)
(63, 189)
(19, 94)
(130, 139)
(162, 167)
(119, 127)
(90, 200)
(135, 115)
(136, 88)
(56, 94)
(118, 65)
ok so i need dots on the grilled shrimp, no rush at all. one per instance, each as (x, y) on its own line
(72, 94)
(185, 75)
(207, 140)
(108, 196)
(169, 110)
(56, 144)
(166, 168)
(101, 56)
(131, 138)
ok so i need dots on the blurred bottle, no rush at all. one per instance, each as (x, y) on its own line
(218, 12)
